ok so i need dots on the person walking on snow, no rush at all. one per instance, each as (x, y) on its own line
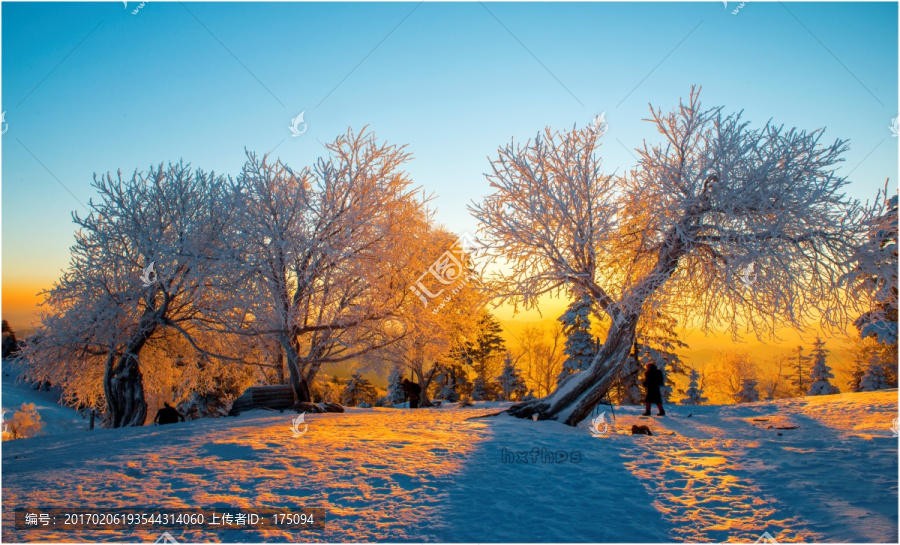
(168, 415)
(653, 379)
(412, 391)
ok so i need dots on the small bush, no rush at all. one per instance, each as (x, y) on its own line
(26, 422)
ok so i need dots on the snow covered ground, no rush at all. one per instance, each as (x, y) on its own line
(57, 418)
(432, 475)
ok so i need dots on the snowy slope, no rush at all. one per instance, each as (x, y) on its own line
(432, 475)
(56, 418)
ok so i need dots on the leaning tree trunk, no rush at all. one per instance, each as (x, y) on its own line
(577, 396)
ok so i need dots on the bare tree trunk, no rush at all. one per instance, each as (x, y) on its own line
(298, 380)
(123, 383)
(279, 367)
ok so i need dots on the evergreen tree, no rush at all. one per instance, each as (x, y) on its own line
(856, 374)
(628, 387)
(512, 385)
(580, 346)
(395, 393)
(452, 382)
(9, 344)
(748, 393)
(800, 380)
(873, 379)
(876, 276)
(478, 352)
(479, 390)
(819, 384)
(358, 390)
(694, 394)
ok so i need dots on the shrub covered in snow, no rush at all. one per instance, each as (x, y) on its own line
(26, 422)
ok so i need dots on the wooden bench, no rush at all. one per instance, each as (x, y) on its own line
(276, 397)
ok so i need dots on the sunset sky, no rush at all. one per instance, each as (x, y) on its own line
(92, 87)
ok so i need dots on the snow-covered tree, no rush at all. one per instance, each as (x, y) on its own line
(819, 383)
(25, 423)
(512, 385)
(395, 393)
(677, 234)
(748, 392)
(434, 330)
(628, 387)
(540, 356)
(481, 350)
(327, 253)
(873, 379)
(800, 372)
(875, 277)
(693, 395)
(9, 345)
(857, 371)
(480, 390)
(146, 263)
(358, 390)
(580, 344)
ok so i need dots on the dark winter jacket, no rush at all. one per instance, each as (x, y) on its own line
(653, 380)
(168, 415)
(411, 389)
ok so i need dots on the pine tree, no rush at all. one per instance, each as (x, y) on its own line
(694, 394)
(748, 393)
(656, 341)
(820, 373)
(358, 390)
(512, 385)
(580, 344)
(486, 344)
(800, 380)
(480, 390)
(873, 379)
(856, 374)
(876, 276)
(395, 393)
(10, 345)
(628, 387)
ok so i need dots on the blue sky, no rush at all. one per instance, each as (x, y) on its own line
(91, 87)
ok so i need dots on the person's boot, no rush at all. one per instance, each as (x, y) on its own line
(646, 411)
(661, 413)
